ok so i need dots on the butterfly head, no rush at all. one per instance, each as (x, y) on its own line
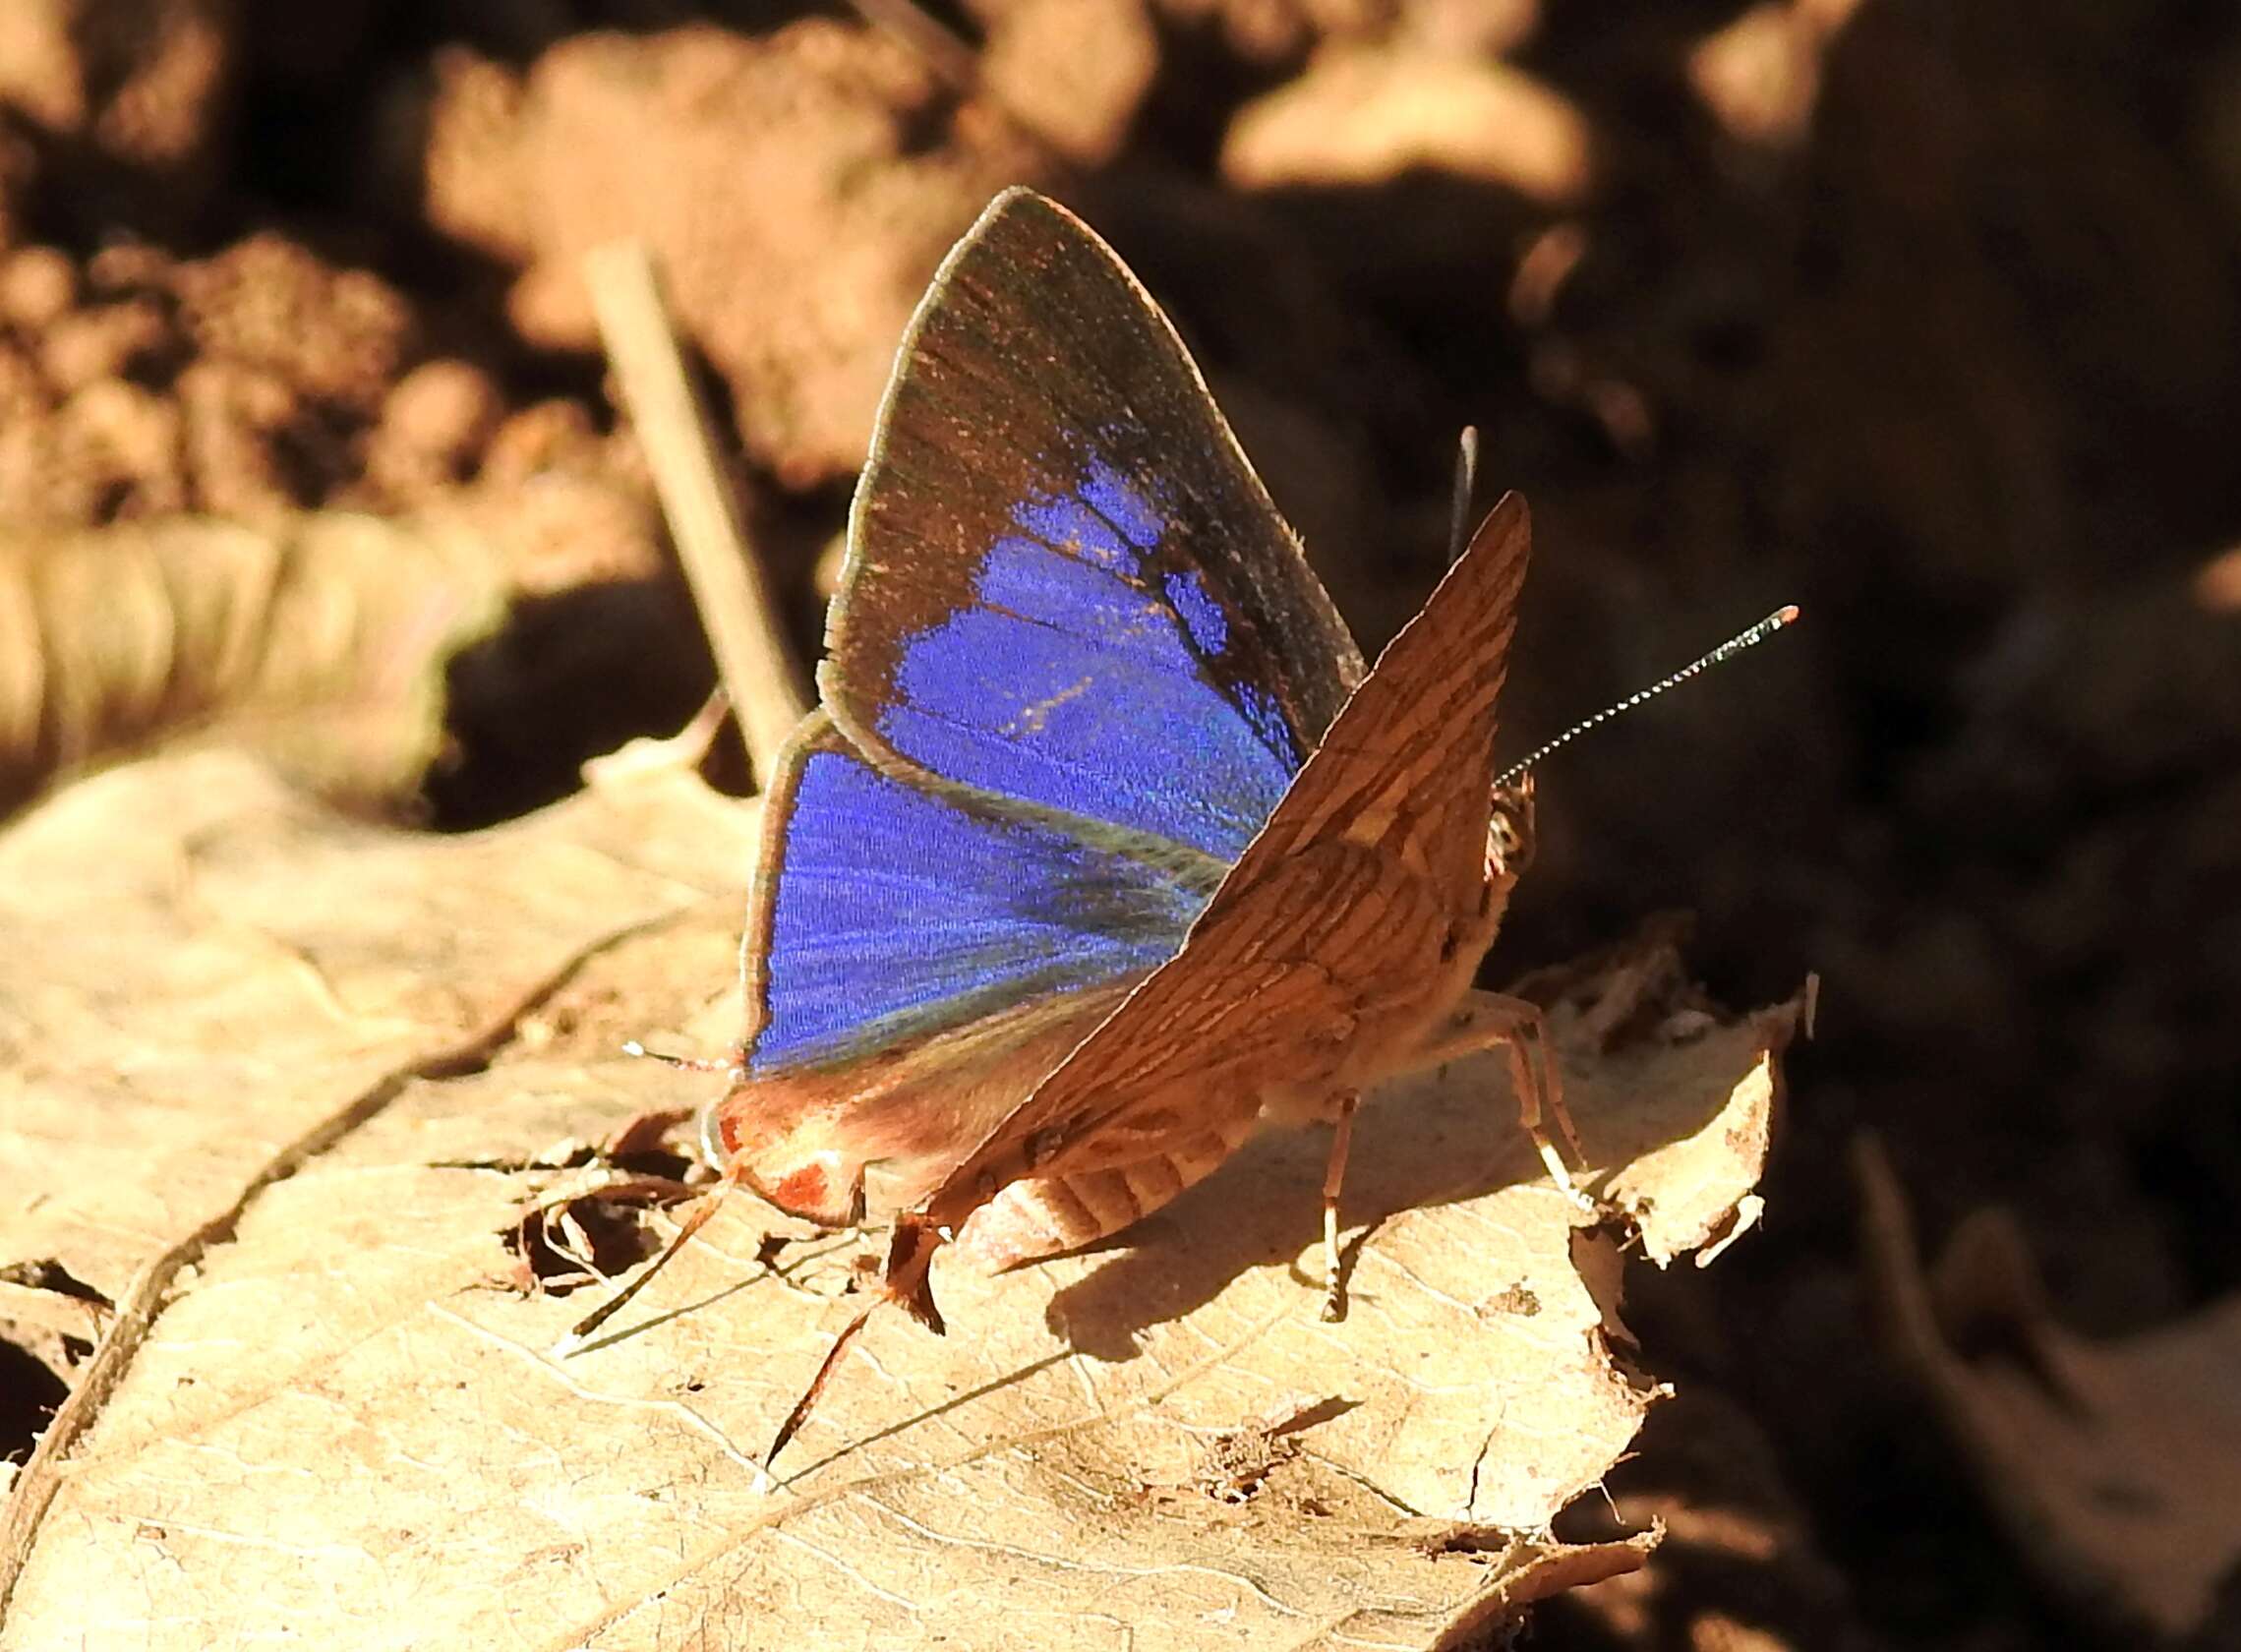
(1509, 834)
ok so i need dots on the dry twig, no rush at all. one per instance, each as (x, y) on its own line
(757, 668)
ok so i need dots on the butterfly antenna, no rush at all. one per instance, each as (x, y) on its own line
(1466, 489)
(1728, 650)
(682, 1063)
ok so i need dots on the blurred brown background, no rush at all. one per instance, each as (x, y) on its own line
(1923, 314)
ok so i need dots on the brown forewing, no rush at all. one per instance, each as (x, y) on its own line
(1408, 765)
(1330, 932)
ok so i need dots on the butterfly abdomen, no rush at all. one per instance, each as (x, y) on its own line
(1044, 1215)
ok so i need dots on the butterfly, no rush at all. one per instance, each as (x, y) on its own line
(1104, 843)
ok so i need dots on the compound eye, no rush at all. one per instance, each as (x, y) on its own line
(715, 1152)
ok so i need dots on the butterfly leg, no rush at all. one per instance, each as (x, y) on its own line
(583, 1330)
(1334, 1178)
(1521, 1027)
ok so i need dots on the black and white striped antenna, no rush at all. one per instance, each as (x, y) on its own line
(1728, 650)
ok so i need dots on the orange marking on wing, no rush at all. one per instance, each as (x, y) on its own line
(805, 1190)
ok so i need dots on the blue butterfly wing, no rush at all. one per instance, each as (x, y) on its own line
(1066, 588)
(1076, 660)
(886, 911)
(915, 962)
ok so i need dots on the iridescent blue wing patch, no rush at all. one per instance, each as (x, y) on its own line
(885, 911)
(1066, 588)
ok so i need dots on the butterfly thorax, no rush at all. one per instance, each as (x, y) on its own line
(1411, 979)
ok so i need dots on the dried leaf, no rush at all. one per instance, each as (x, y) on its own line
(281, 1048)
(324, 647)
(2115, 1466)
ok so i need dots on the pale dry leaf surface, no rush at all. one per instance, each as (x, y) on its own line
(204, 965)
(2114, 1466)
(346, 1427)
